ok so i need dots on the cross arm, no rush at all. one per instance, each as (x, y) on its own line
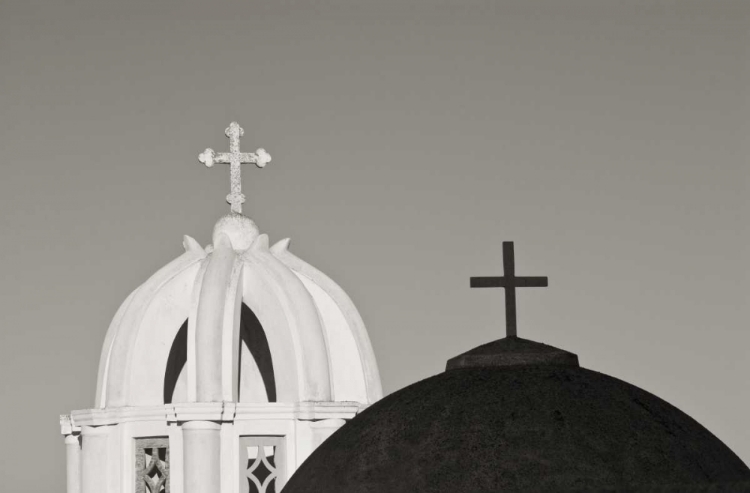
(260, 158)
(503, 282)
(209, 157)
(226, 157)
(223, 157)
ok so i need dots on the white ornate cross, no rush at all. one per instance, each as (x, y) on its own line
(234, 158)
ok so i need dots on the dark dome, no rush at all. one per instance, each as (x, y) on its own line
(517, 427)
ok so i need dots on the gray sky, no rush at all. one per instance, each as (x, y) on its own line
(409, 139)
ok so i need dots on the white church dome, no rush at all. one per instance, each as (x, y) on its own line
(237, 321)
(225, 369)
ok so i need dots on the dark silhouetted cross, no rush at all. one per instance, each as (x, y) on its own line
(510, 282)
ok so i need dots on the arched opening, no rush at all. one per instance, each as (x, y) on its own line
(256, 380)
(175, 362)
(255, 346)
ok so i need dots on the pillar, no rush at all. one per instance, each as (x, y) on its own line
(94, 459)
(201, 441)
(73, 460)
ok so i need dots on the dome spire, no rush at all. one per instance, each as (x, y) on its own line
(234, 158)
(510, 282)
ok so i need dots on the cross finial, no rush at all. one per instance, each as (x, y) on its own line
(234, 158)
(510, 282)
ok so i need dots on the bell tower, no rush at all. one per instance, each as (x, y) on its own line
(225, 369)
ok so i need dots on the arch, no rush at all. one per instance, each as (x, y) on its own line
(140, 333)
(255, 343)
(347, 365)
(332, 292)
(175, 362)
(255, 347)
(293, 328)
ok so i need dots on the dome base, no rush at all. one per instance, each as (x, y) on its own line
(512, 351)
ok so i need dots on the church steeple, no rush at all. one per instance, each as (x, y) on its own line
(237, 360)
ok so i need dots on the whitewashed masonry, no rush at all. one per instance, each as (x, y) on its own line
(221, 373)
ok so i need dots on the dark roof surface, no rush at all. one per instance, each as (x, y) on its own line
(519, 428)
(512, 351)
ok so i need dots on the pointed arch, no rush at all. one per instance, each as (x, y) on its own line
(254, 345)
(175, 362)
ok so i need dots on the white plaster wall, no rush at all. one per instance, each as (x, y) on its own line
(159, 326)
(260, 298)
(97, 468)
(324, 368)
(319, 347)
(309, 343)
(181, 386)
(347, 371)
(118, 355)
(111, 468)
(345, 307)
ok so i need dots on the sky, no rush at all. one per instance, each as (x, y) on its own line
(607, 139)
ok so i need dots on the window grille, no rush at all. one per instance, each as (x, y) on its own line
(262, 464)
(152, 465)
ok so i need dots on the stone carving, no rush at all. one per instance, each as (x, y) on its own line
(234, 158)
(152, 465)
(261, 464)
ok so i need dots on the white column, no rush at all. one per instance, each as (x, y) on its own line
(73, 456)
(94, 459)
(201, 454)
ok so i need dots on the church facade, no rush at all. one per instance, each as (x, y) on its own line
(224, 370)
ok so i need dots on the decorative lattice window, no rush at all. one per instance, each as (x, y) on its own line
(262, 464)
(152, 465)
